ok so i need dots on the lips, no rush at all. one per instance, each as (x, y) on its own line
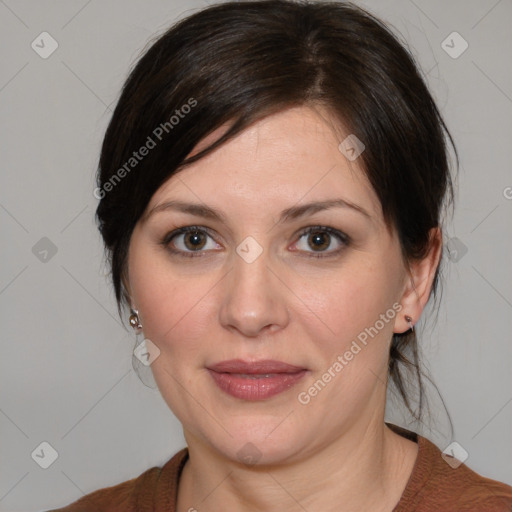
(257, 367)
(256, 380)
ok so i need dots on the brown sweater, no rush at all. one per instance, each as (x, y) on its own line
(434, 486)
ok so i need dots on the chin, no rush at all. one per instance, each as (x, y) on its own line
(258, 443)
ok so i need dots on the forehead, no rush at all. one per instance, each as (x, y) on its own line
(283, 159)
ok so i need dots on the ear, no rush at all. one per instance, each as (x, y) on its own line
(125, 283)
(419, 282)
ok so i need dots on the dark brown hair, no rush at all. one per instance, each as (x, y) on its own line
(237, 62)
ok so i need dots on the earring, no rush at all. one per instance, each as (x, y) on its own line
(408, 319)
(134, 320)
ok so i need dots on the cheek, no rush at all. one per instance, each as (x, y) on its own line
(352, 328)
(175, 313)
(350, 345)
(351, 301)
(170, 306)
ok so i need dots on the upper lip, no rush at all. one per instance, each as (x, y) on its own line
(254, 367)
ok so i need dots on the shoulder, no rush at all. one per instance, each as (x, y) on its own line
(120, 497)
(471, 491)
(129, 495)
(439, 482)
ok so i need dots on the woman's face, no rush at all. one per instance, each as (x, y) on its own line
(251, 286)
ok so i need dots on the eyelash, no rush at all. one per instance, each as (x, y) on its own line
(342, 237)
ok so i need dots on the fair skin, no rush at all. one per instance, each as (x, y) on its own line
(335, 452)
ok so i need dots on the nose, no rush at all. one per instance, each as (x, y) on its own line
(254, 298)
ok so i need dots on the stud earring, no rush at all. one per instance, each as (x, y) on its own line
(134, 320)
(408, 319)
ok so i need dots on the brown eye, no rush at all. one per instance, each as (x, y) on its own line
(194, 240)
(189, 241)
(318, 239)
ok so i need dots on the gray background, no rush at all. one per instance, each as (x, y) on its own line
(66, 376)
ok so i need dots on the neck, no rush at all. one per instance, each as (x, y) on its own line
(366, 468)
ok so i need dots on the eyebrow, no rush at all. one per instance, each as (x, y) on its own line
(289, 214)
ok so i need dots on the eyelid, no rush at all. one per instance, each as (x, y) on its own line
(343, 238)
(327, 229)
(183, 231)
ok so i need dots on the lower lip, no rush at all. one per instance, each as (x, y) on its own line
(256, 388)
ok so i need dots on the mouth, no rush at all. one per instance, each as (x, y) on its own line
(258, 380)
